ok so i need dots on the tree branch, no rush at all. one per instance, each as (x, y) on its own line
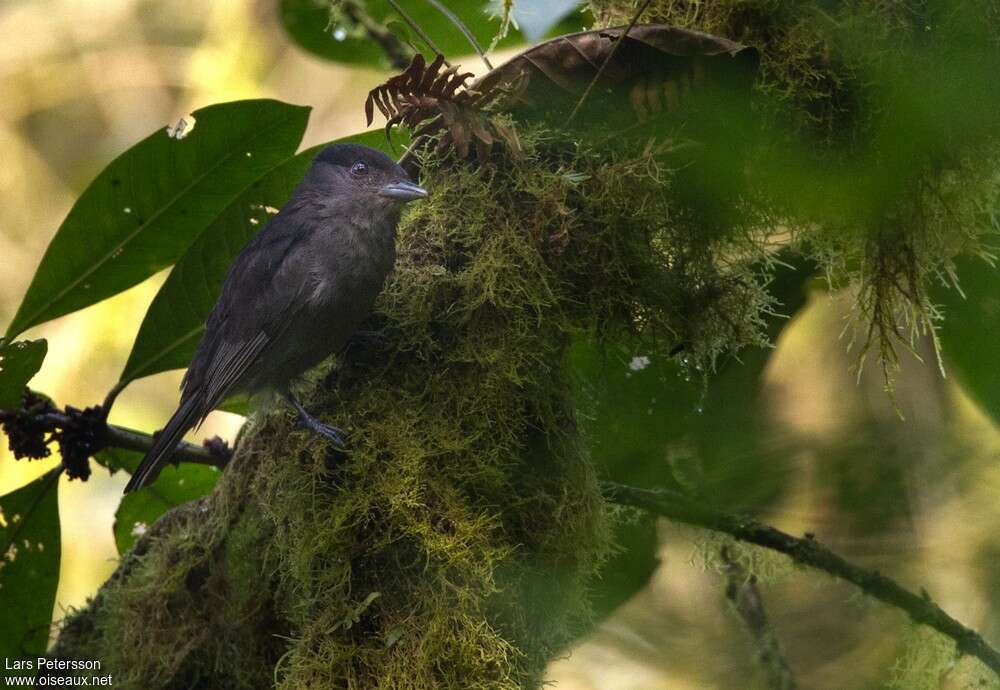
(921, 609)
(743, 593)
(211, 452)
(83, 433)
(417, 29)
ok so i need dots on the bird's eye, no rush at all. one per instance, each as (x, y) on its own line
(359, 169)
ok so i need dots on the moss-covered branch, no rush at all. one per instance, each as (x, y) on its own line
(808, 551)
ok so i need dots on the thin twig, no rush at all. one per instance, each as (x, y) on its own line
(607, 60)
(743, 593)
(398, 53)
(416, 27)
(453, 18)
(921, 609)
(109, 399)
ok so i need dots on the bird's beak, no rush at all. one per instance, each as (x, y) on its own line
(403, 191)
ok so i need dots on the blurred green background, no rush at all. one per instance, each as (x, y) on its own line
(914, 496)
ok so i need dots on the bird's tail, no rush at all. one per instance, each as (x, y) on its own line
(166, 441)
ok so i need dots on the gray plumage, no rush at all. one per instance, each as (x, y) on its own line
(296, 292)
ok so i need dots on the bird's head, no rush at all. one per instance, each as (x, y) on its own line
(351, 173)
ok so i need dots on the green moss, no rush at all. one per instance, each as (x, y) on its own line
(457, 538)
(929, 660)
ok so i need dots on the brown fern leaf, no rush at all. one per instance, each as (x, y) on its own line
(411, 97)
(428, 98)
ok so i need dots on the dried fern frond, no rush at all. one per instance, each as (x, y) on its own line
(411, 97)
(424, 97)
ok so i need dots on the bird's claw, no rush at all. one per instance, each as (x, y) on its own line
(329, 432)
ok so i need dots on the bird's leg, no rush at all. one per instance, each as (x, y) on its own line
(335, 435)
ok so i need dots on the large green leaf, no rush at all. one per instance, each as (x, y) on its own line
(147, 207)
(173, 325)
(309, 24)
(139, 509)
(971, 330)
(19, 361)
(29, 566)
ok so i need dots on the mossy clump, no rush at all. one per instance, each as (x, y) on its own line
(879, 145)
(453, 545)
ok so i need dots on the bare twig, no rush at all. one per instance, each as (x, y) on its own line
(453, 18)
(416, 27)
(921, 609)
(398, 53)
(742, 592)
(607, 60)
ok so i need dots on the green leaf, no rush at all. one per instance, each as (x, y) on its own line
(29, 566)
(147, 207)
(401, 31)
(174, 486)
(175, 321)
(19, 361)
(970, 331)
(312, 26)
(118, 459)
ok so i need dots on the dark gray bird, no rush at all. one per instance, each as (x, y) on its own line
(296, 292)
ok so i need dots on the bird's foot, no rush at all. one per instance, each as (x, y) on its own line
(327, 431)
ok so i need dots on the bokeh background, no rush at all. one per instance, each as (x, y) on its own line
(912, 492)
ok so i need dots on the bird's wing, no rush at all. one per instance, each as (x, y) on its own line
(260, 298)
(231, 361)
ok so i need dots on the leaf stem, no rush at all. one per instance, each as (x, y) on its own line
(398, 53)
(607, 60)
(453, 18)
(416, 27)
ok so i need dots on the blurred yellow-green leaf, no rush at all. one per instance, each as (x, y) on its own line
(333, 34)
(970, 331)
